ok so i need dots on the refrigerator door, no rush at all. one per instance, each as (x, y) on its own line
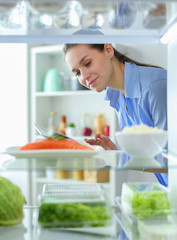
(172, 120)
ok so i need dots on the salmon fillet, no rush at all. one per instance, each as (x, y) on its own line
(55, 144)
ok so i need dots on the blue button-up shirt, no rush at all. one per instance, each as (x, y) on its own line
(145, 97)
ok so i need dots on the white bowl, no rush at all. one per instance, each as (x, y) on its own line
(142, 146)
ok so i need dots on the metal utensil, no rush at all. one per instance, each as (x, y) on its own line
(47, 133)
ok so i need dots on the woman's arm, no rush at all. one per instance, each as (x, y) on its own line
(157, 103)
(102, 141)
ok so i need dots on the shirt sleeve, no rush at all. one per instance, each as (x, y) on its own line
(157, 103)
(157, 96)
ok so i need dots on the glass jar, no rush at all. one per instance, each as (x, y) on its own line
(99, 123)
(53, 121)
(61, 169)
(78, 174)
(85, 124)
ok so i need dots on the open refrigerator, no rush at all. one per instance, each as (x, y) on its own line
(123, 22)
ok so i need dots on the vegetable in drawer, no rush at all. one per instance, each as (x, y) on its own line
(145, 200)
(73, 215)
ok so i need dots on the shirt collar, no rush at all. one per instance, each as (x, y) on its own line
(113, 96)
(132, 86)
(131, 80)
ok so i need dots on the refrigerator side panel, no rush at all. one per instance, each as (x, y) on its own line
(172, 123)
(172, 96)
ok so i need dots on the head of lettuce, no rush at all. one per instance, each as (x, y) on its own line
(11, 203)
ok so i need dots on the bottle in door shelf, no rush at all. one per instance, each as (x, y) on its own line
(62, 125)
(53, 121)
(99, 123)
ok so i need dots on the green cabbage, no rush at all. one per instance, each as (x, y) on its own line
(149, 204)
(145, 200)
(11, 203)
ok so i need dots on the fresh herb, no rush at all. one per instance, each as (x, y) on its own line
(72, 125)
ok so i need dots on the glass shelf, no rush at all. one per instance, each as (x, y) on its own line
(114, 160)
(66, 36)
(57, 21)
(159, 228)
(66, 93)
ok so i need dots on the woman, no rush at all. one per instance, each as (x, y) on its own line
(137, 91)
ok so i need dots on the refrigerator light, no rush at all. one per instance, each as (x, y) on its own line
(171, 34)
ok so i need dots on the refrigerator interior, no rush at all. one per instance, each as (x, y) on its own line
(18, 109)
(137, 43)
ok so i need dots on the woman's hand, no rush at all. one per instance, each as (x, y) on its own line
(102, 141)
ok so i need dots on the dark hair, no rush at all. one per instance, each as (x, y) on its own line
(100, 47)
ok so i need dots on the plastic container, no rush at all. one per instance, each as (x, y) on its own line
(67, 205)
(142, 200)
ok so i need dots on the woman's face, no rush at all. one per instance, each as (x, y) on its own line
(92, 67)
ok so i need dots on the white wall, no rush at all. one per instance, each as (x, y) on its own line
(13, 94)
(13, 104)
(155, 54)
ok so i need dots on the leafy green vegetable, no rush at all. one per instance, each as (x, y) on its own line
(11, 203)
(72, 215)
(55, 137)
(149, 204)
(71, 125)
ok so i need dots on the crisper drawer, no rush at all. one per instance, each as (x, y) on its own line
(64, 205)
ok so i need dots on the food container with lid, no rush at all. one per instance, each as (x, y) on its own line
(67, 205)
(144, 200)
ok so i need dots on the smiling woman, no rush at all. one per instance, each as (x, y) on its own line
(137, 91)
(91, 69)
